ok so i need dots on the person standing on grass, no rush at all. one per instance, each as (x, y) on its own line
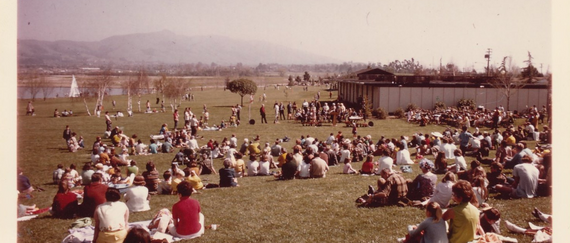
(463, 218)
(108, 121)
(66, 135)
(175, 116)
(194, 125)
(262, 113)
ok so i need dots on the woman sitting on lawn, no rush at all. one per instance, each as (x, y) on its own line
(440, 163)
(228, 175)
(460, 164)
(433, 226)
(464, 218)
(111, 218)
(65, 202)
(348, 167)
(442, 193)
(403, 156)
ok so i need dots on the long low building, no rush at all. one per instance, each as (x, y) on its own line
(392, 91)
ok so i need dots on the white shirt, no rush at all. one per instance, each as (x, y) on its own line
(233, 141)
(263, 168)
(403, 158)
(449, 148)
(193, 144)
(385, 162)
(442, 194)
(528, 180)
(112, 216)
(330, 140)
(345, 153)
(460, 163)
(304, 170)
(252, 167)
(136, 199)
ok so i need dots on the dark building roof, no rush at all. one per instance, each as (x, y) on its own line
(373, 71)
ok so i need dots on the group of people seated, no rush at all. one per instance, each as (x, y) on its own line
(463, 190)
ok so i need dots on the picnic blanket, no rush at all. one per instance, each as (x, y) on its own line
(85, 234)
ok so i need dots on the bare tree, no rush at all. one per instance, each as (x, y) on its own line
(100, 84)
(507, 81)
(174, 89)
(31, 82)
(45, 86)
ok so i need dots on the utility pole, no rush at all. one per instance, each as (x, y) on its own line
(488, 57)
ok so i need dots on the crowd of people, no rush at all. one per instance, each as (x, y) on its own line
(460, 198)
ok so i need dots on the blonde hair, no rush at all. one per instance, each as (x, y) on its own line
(435, 210)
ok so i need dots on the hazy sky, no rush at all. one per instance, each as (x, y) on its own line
(359, 31)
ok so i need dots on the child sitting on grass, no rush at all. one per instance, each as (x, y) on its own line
(348, 167)
(433, 227)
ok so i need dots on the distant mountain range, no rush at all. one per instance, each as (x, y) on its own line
(161, 47)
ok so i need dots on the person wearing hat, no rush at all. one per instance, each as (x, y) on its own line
(137, 197)
(423, 186)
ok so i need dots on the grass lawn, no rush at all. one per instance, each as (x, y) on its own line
(261, 209)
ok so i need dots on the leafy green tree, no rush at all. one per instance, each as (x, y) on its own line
(306, 77)
(243, 87)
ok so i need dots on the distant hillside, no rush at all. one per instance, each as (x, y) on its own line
(162, 47)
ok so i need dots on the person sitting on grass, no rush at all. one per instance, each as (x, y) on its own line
(137, 197)
(490, 219)
(111, 218)
(423, 186)
(195, 181)
(165, 186)
(57, 174)
(348, 167)
(403, 156)
(93, 196)
(433, 227)
(227, 175)
(151, 178)
(367, 166)
(178, 178)
(137, 234)
(392, 190)
(440, 163)
(525, 181)
(264, 165)
(443, 190)
(252, 166)
(319, 167)
(541, 234)
(460, 164)
(239, 166)
(65, 202)
(186, 220)
(289, 170)
(464, 218)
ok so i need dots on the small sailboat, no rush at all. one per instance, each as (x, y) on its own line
(74, 90)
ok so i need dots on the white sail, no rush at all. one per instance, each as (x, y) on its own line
(74, 90)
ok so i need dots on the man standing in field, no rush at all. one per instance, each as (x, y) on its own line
(194, 125)
(175, 116)
(262, 113)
